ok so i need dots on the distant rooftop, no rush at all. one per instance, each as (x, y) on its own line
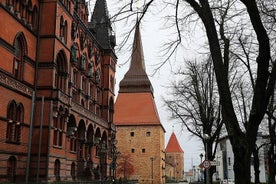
(173, 145)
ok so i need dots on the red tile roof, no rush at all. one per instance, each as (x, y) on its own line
(136, 109)
(173, 145)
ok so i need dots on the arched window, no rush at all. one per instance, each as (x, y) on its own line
(61, 76)
(19, 52)
(89, 145)
(57, 169)
(90, 134)
(11, 169)
(81, 138)
(15, 116)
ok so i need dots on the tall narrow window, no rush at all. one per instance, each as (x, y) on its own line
(19, 122)
(11, 113)
(60, 128)
(62, 71)
(59, 123)
(15, 116)
(57, 169)
(111, 110)
(35, 18)
(18, 58)
(55, 138)
(61, 28)
(65, 31)
(73, 170)
(29, 13)
(75, 77)
(83, 82)
(11, 169)
(71, 132)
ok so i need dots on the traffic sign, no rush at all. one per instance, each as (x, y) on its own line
(206, 164)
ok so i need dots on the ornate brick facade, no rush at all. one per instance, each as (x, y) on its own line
(57, 74)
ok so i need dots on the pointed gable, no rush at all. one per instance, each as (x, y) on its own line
(173, 145)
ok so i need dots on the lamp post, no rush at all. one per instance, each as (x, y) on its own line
(115, 154)
(152, 158)
(201, 156)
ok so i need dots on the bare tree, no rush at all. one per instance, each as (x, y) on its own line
(195, 103)
(243, 139)
(125, 167)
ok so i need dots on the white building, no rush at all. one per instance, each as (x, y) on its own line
(225, 160)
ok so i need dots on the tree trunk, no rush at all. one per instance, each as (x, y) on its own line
(241, 163)
(256, 166)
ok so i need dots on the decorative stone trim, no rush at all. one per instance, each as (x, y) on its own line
(9, 81)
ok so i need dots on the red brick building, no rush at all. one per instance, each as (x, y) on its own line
(57, 74)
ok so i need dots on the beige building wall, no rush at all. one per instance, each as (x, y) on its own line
(145, 145)
(175, 166)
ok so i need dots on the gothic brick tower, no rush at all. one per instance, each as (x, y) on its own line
(140, 133)
(57, 74)
(174, 160)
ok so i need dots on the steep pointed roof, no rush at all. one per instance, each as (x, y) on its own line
(135, 103)
(100, 25)
(173, 145)
(136, 78)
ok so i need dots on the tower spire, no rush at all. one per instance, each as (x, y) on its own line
(136, 79)
(100, 25)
